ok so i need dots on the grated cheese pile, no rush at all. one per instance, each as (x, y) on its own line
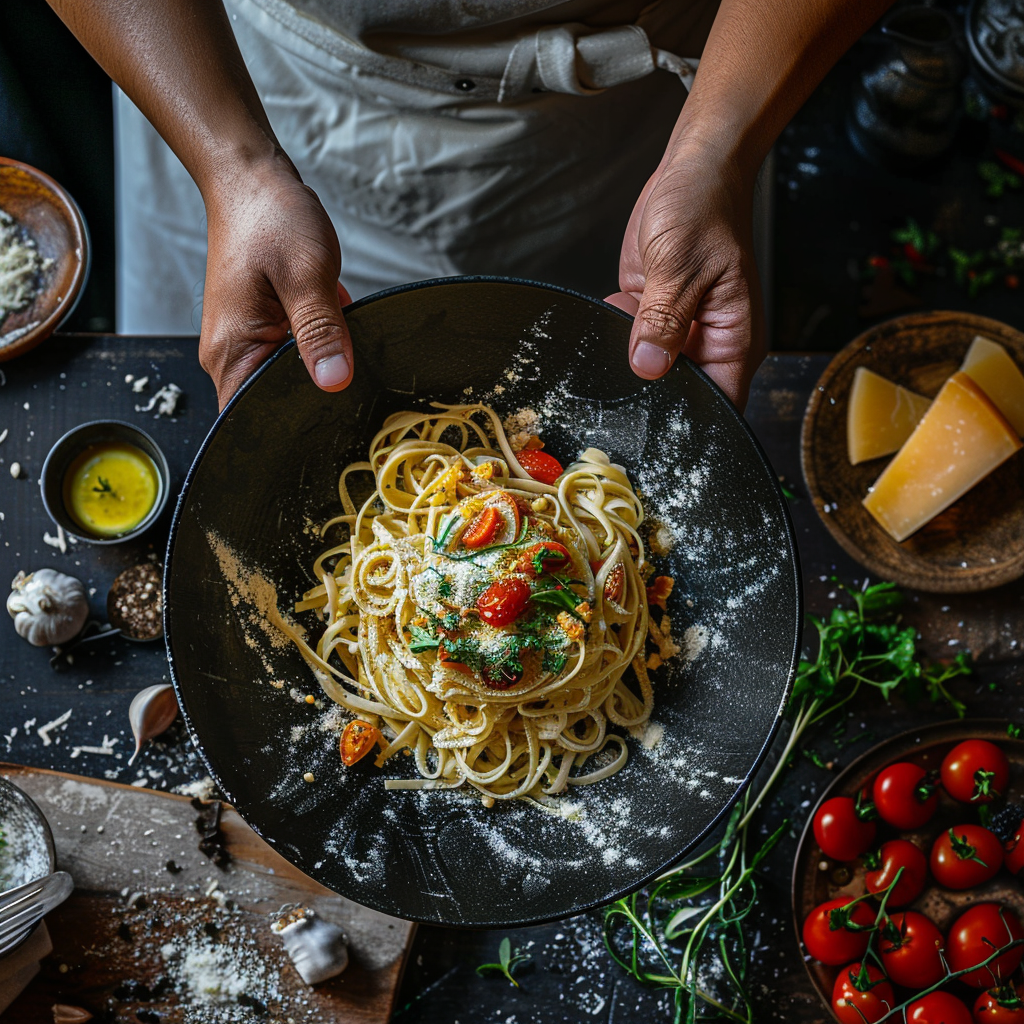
(20, 267)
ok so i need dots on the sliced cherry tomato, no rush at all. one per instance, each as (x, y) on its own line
(905, 796)
(911, 950)
(547, 557)
(480, 525)
(842, 828)
(482, 529)
(975, 772)
(861, 994)
(827, 934)
(965, 856)
(1000, 1005)
(358, 738)
(503, 601)
(541, 466)
(938, 1008)
(883, 865)
(977, 934)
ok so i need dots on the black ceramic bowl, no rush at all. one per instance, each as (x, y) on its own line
(269, 469)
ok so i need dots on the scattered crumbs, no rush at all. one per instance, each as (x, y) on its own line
(3, 435)
(43, 732)
(15, 469)
(204, 789)
(520, 426)
(165, 401)
(60, 541)
(107, 748)
(139, 384)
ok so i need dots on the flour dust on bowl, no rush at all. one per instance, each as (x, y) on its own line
(246, 534)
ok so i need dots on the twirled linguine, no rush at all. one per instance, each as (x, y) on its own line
(488, 619)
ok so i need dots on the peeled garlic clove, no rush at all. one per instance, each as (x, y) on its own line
(317, 947)
(153, 711)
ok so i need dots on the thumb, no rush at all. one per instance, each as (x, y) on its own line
(322, 337)
(661, 326)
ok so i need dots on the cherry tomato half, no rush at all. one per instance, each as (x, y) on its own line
(827, 935)
(503, 601)
(911, 950)
(883, 866)
(977, 934)
(358, 738)
(482, 529)
(842, 830)
(965, 856)
(975, 772)
(549, 556)
(861, 996)
(1000, 1006)
(904, 795)
(938, 1008)
(541, 466)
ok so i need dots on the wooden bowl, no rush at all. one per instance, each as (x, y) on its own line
(975, 544)
(53, 220)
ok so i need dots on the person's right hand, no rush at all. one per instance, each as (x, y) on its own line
(272, 267)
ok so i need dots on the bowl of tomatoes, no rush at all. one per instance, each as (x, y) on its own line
(907, 886)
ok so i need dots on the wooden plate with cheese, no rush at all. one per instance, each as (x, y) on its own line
(977, 542)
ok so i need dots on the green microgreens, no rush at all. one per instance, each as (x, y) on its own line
(508, 961)
(1014, 731)
(422, 639)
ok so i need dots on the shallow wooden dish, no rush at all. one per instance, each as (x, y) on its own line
(978, 542)
(52, 218)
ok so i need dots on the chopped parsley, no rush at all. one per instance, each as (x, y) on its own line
(422, 639)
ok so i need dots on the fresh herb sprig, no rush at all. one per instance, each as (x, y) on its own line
(701, 905)
(508, 961)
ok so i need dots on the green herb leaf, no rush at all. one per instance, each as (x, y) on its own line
(422, 639)
(507, 962)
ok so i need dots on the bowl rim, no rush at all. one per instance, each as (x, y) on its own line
(787, 522)
(69, 302)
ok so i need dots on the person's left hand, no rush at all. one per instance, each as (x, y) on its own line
(687, 272)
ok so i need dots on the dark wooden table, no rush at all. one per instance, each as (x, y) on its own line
(570, 978)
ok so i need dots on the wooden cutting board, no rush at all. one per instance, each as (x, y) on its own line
(155, 931)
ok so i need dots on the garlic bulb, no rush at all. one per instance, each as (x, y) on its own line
(152, 711)
(317, 947)
(47, 606)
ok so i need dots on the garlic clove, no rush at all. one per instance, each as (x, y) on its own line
(152, 711)
(316, 947)
(64, 1014)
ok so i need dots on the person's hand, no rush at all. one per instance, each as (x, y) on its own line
(272, 266)
(687, 272)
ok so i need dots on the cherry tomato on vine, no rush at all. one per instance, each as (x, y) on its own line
(965, 856)
(904, 795)
(541, 466)
(938, 1008)
(1000, 1005)
(843, 829)
(976, 935)
(883, 864)
(861, 994)
(827, 935)
(975, 772)
(1008, 825)
(911, 950)
(1015, 850)
(503, 601)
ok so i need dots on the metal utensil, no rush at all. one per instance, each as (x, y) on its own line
(22, 907)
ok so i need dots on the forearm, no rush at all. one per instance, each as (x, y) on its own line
(762, 60)
(179, 63)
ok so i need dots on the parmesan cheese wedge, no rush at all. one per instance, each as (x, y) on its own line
(880, 417)
(992, 368)
(961, 439)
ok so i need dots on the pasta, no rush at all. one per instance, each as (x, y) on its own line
(488, 621)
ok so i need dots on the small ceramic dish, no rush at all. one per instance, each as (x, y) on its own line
(975, 544)
(61, 461)
(52, 219)
(27, 852)
(989, 29)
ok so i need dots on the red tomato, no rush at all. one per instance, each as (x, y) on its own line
(482, 529)
(965, 856)
(1014, 847)
(551, 556)
(904, 795)
(503, 601)
(911, 950)
(841, 829)
(976, 935)
(358, 738)
(938, 1008)
(883, 866)
(1000, 1006)
(504, 676)
(827, 935)
(857, 999)
(541, 466)
(975, 772)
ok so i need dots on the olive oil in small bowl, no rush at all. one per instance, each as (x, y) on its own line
(105, 482)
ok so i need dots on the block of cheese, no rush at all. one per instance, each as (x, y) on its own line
(880, 417)
(992, 368)
(961, 439)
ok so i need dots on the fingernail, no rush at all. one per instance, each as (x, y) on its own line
(331, 371)
(650, 359)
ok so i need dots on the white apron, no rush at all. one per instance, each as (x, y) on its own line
(514, 146)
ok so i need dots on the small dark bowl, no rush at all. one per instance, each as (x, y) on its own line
(29, 853)
(999, 85)
(70, 446)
